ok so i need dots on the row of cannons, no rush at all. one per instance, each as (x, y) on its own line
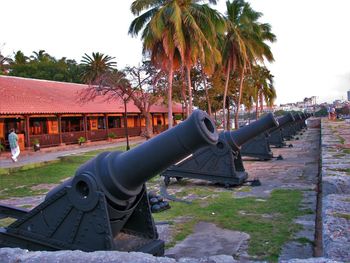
(105, 205)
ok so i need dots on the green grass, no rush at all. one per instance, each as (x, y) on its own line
(304, 240)
(341, 215)
(19, 183)
(346, 170)
(268, 234)
(347, 151)
(6, 221)
(341, 139)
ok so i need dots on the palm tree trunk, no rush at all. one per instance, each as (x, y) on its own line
(183, 91)
(225, 95)
(170, 94)
(228, 115)
(206, 93)
(188, 71)
(261, 102)
(239, 97)
(257, 106)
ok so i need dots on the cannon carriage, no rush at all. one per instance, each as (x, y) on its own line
(105, 206)
(220, 163)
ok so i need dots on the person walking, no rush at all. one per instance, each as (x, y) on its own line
(13, 141)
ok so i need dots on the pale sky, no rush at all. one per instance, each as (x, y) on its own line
(311, 52)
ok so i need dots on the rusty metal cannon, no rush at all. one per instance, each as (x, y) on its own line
(105, 206)
(221, 163)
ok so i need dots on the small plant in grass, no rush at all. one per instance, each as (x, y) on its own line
(2, 147)
(81, 140)
(111, 135)
(36, 144)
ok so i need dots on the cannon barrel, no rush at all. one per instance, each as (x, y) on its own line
(297, 117)
(237, 138)
(282, 121)
(121, 175)
(285, 119)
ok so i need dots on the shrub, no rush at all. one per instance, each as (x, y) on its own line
(111, 135)
(35, 141)
(81, 140)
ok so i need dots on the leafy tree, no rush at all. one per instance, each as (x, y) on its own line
(4, 63)
(43, 66)
(146, 86)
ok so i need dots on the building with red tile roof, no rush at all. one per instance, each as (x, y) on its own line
(53, 113)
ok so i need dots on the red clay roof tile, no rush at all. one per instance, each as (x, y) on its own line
(32, 96)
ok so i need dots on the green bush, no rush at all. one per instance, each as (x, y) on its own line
(2, 147)
(112, 135)
(35, 141)
(81, 140)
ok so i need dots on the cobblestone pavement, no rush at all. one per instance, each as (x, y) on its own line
(298, 170)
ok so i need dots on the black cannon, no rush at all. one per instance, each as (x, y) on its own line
(221, 163)
(259, 146)
(105, 206)
(292, 128)
(276, 134)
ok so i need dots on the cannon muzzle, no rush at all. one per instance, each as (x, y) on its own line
(237, 138)
(282, 121)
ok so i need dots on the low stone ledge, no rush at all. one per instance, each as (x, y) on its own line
(336, 225)
(313, 123)
(17, 255)
(310, 260)
(335, 184)
(335, 193)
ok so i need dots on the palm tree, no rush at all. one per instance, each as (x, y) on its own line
(263, 87)
(175, 32)
(244, 44)
(95, 66)
(233, 46)
(20, 58)
(41, 56)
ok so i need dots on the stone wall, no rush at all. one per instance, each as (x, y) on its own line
(335, 172)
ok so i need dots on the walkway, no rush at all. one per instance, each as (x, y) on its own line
(49, 154)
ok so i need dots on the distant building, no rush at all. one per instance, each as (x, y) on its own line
(348, 95)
